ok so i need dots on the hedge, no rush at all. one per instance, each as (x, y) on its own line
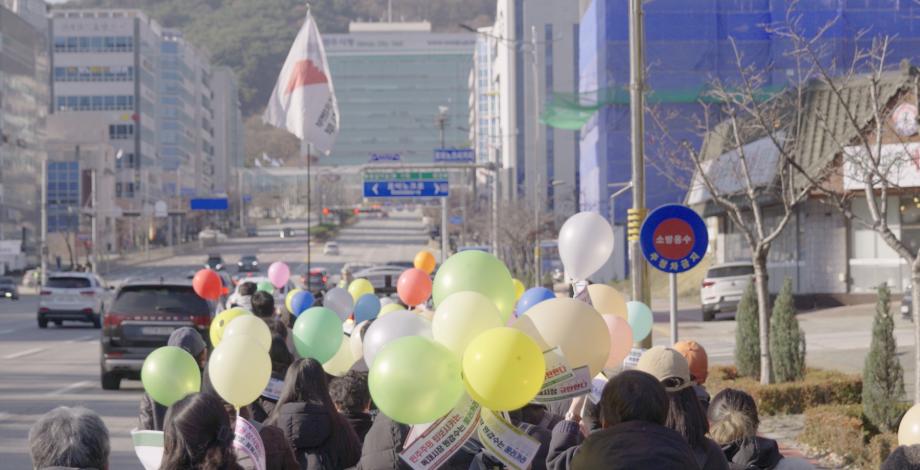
(819, 387)
(845, 431)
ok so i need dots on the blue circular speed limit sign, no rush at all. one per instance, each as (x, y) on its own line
(674, 238)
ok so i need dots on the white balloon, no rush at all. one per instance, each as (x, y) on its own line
(585, 244)
(356, 341)
(251, 326)
(385, 301)
(392, 326)
(339, 301)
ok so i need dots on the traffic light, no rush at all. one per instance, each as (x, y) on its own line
(326, 211)
(634, 219)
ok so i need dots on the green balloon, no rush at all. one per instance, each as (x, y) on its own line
(266, 286)
(415, 380)
(480, 272)
(318, 333)
(169, 374)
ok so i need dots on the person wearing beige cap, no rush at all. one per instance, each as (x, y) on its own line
(685, 415)
(696, 357)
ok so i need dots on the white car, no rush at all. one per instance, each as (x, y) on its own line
(723, 287)
(73, 296)
(331, 248)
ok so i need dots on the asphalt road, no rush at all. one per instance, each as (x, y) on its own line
(43, 369)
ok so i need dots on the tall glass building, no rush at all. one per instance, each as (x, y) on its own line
(390, 80)
(23, 108)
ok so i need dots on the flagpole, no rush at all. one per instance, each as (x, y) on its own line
(305, 148)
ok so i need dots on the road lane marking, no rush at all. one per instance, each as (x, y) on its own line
(4, 416)
(82, 338)
(6, 332)
(71, 387)
(27, 352)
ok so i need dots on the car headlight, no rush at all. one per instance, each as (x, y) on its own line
(219, 265)
(255, 263)
(8, 294)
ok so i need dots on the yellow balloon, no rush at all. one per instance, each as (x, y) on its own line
(909, 430)
(216, 331)
(359, 287)
(518, 289)
(461, 317)
(503, 369)
(239, 369)
(290, 295)
(572, 325)
(425, 261)
(342, 361)
(607, 300)
(250, 326)
(390, 308)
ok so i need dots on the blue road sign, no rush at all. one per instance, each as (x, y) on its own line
(456, 219)
(209, 204)
(674, 238)
(384, 157)
(417, 188)
(454, 156)
(247, 198)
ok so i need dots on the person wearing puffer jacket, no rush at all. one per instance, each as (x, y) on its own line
(733, 425)
(321, 437)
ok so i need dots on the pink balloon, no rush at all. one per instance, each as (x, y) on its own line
(278, 274)
(413, 287)
(621, 339)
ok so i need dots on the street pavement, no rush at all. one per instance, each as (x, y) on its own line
(43, 369)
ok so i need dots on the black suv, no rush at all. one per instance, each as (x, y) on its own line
(248, 264)
(143, 315)
(8, 289)
(215, 262)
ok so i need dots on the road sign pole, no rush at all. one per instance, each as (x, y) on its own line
(672, 277)
(444, 230)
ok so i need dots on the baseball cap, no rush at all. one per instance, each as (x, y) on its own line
(696, 357)
(188, 339)
(666, 363)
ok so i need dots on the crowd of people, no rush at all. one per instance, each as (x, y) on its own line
(655, 416)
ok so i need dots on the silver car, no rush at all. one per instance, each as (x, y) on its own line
(723, 287)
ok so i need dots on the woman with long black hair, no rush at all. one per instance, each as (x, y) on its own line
(197, 435)
(321, 438)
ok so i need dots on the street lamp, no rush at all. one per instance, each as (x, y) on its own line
(611, 203)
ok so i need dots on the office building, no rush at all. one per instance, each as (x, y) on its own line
(391, 80)
(23, 109)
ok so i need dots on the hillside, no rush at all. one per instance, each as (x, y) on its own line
(253, 36)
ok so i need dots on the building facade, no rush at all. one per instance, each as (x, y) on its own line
(391, 80)
(229, 135)
(24, 94)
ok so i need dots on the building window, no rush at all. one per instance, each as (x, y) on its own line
(114, 73)
(117, 189)
(93, 44)
(121, 132)
(95, 103)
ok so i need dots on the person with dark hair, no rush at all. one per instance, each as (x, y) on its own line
(197, 434)
(152, 413)
(263, 305)
(278, 454)
(633, 410)
(281, 359)
(69, 438)
(320, 436)
(902, 458)
(352, 398)
(685, 415)
(733, 425)
(278, 328)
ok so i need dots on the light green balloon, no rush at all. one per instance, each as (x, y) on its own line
(478, 272)
(318, 333)
(415, 380)
(266, 286)
(170, 373)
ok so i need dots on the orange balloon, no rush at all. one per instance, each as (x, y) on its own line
(413, 287)
(207, 284)
(424, 260)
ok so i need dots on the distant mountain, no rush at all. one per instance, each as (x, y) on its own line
(253, 36)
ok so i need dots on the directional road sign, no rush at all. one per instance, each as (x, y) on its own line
(454, 156)
(674, 238)
(383, 189)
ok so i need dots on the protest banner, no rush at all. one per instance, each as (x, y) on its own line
(505, 442)
(148, 445)
(562, 381)
(443, 438)
(247, 444)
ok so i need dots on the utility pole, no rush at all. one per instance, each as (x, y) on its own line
(538, 173)
(146, 216)
(93, 226)
(239, 188)
(445, 232)
(305, 146)
(638, 266)
(44, 215)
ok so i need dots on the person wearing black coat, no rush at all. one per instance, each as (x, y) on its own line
(352, 398)
(634, 407)
(281, 359)
(321, 438)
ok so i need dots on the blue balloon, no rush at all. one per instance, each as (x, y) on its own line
(301, 301)
(532, 297)
(367, 308)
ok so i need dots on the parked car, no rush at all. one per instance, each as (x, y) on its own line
(331, 248)
(210, 236)
(72, 296)
(248, 264)
(286, 232)
(252, 232)
(383, 278)
(316, 281)
(8, 289)
(723, 287)
(141, 318)
(906, 305)
(215, 261)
